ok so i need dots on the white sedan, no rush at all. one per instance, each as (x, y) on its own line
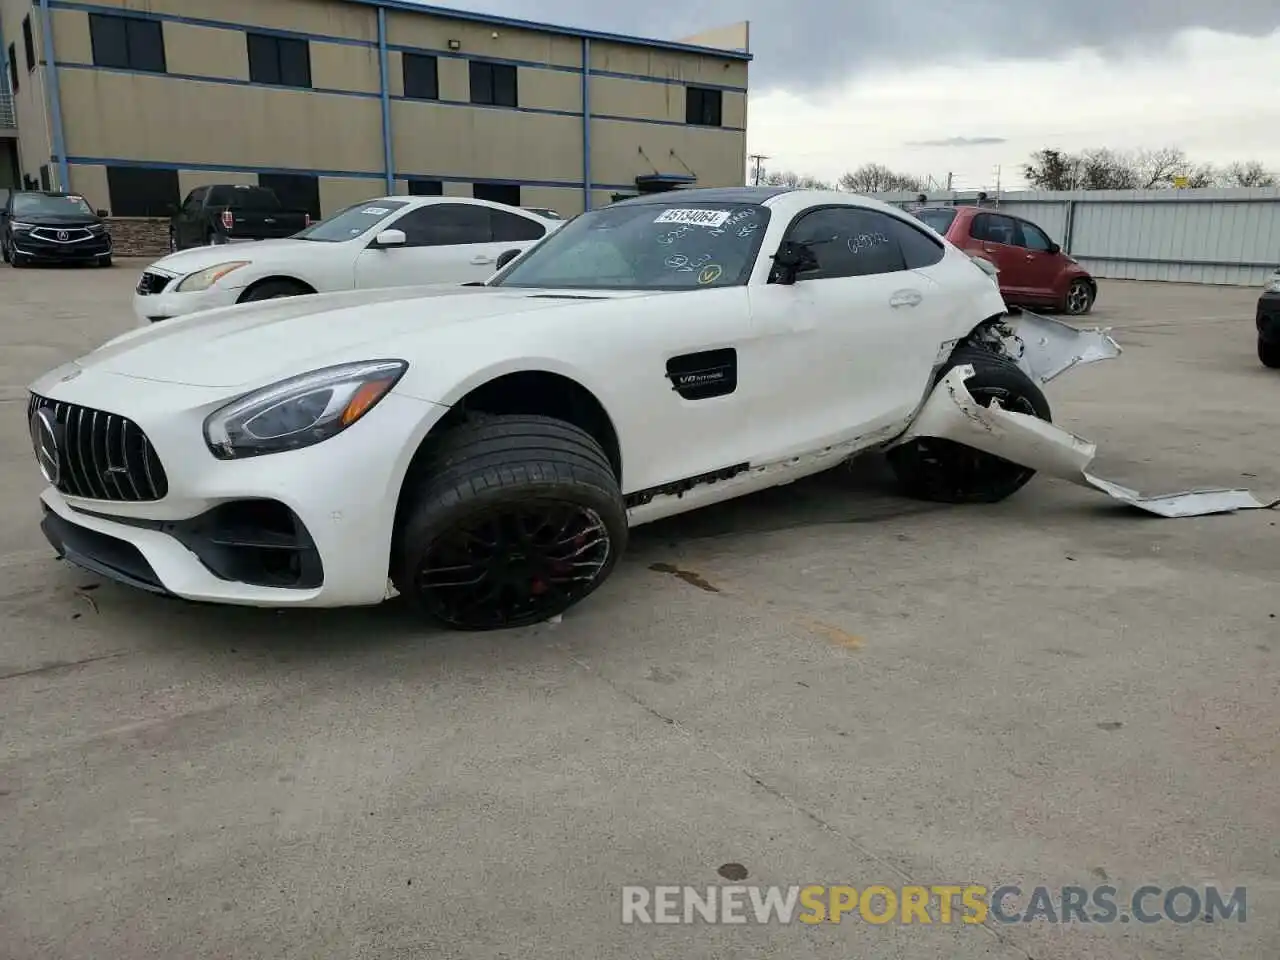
(484, 449)
(384, 242)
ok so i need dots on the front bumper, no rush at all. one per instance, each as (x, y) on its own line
(1268, 317)
(38, 248)
(307, 528)
(149, 308)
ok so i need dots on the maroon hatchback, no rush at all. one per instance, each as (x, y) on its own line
(1034, 272)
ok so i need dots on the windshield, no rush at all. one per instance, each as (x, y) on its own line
(350, 222)
(650, 246)
(41, 205)
(244, 198)
(939, 218)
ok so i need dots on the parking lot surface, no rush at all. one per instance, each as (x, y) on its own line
(824, 684)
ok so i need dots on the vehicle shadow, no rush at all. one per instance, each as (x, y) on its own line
(861, 492)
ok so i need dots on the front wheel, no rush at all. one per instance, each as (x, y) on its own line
(273, 290)
(1269, 353)
(930, 468)
(1080, 297)
(508, 521)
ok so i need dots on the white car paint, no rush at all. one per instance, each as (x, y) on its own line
(327, 266)
(825, 368)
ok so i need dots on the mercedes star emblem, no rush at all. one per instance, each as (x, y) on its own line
(45, 440)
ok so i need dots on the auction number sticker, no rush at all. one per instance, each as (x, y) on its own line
(695, 218)
(374, 211)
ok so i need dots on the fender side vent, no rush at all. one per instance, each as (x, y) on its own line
(701, 376)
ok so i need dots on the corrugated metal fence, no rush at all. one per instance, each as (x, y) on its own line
(1189, 236)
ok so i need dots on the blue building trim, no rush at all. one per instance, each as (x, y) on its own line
(342, 174)
(586, 123)
(457, 15)
(388, 159)
(54, 94)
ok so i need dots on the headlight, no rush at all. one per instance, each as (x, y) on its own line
(97, 228)
(18, 225)
(207, 277)
(300, 411)
(1273, 285)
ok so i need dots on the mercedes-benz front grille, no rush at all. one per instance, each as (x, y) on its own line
(95, 454)
(150, 283)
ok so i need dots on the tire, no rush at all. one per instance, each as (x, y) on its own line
(105, 262)
(944, 471)
(459, 512)
(173, 241)
(215, 240)
(273, 290)
(1269, 353)
(4, 251)
(1079, 298)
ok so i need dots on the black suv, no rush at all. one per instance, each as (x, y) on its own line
(54, 228)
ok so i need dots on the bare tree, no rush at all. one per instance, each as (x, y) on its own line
(1249, 173)
(877, 178)
(789, 178)
(1051, 169)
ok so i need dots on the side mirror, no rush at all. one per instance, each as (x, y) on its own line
(506, 257)
(103, 214)
(1054, 248)
(389, 238)
(792, 259)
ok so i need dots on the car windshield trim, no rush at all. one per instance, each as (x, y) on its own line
(353, 222)
(674, 245)
(43, 205)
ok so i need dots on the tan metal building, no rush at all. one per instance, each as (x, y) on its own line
(134, 103)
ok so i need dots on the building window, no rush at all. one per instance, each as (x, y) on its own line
(13, 69)
(703, 107)
(426, 188)
(29, 43)
(279, 61)
(45, 182)
(142, 192)
(421, 79)
(127, 43)
(508, 193)
(296, 191)
(493, 84)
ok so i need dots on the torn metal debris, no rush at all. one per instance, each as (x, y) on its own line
(951, 413)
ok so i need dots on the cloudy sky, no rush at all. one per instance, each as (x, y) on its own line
(965, 86)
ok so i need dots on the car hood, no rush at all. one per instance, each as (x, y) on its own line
(260, 251)
(58, 221)
(256, 343)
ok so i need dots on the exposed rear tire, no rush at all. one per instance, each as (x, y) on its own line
(948, 472)
(273, 290)
(104, 262)
(1269, 353)
(507, 521)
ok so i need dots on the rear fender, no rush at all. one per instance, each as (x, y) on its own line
(1042, 347)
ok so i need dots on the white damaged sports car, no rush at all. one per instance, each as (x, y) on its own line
(484, 448)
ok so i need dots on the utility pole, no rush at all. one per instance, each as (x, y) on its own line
(759, 159)
(950, 179)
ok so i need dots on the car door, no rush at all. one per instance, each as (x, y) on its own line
(852, 341)
(444, 243)
(1042, 262)
(997, 238)
(189, 224)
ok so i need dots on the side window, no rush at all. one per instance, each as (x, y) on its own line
(445, 224)
(849, 242)
(195, 199)
(1033, 237)
(991, 228)
(919, 250)
(513, 228)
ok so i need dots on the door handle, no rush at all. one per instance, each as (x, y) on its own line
(481, 258)
(906, 298)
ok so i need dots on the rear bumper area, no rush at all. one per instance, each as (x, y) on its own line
(1269, 317)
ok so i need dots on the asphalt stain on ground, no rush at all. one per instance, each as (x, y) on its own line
(688, 576)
